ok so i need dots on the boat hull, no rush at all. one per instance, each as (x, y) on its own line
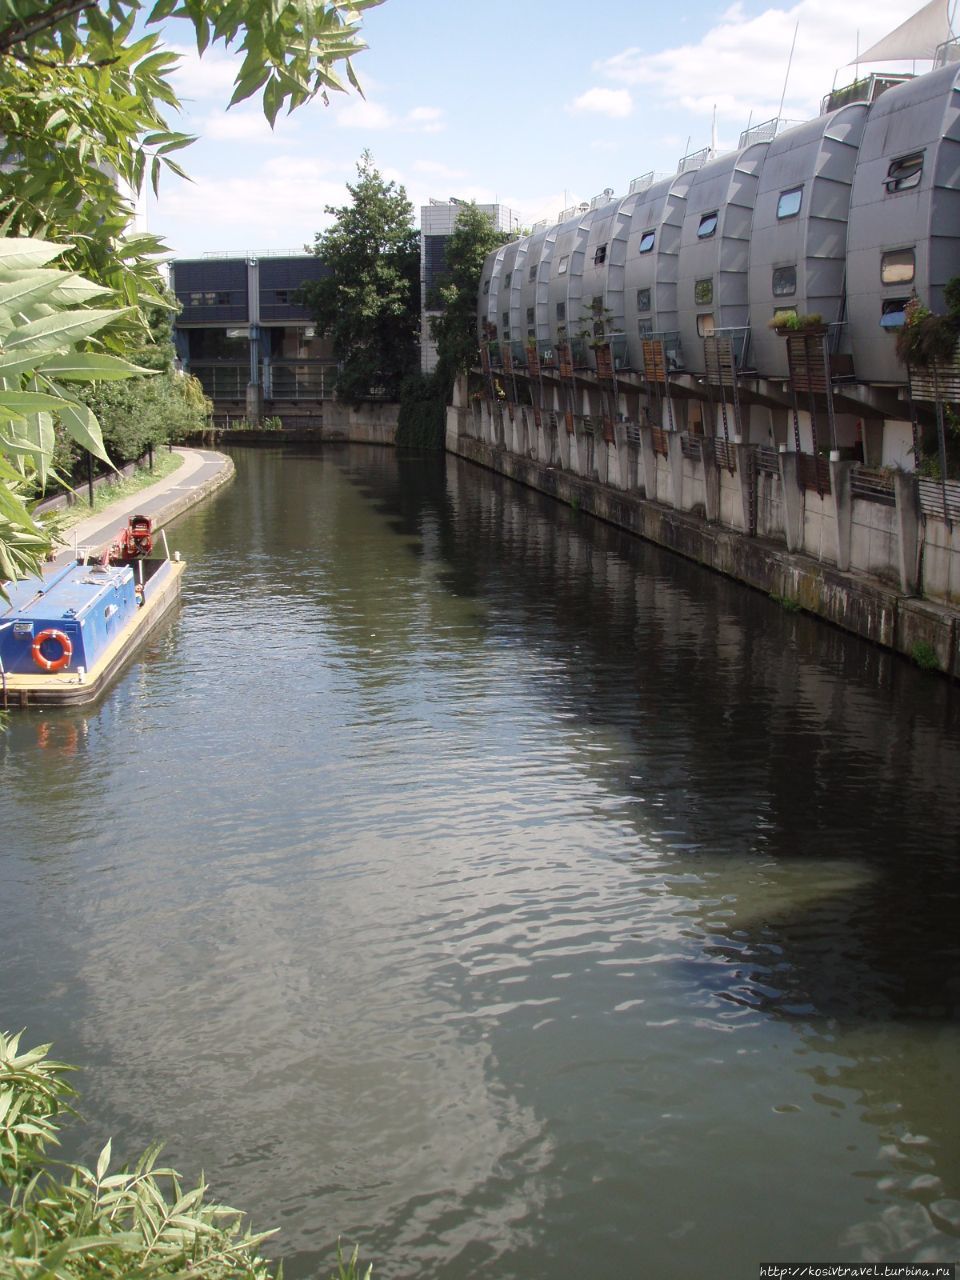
(72, 688)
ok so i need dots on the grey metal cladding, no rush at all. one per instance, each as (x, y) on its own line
(727, 186)
(820, 157)
(909, 119)
(660, 209)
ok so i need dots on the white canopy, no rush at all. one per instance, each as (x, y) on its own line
(917, 38)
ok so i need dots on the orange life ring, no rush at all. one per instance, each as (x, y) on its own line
(66, 650)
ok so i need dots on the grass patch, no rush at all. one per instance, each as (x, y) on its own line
(786, 602)
(925, 656)
(164, 464)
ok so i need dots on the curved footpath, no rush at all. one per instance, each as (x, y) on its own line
(203, 472)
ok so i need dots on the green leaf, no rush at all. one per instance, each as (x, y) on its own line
(84, 366)
(82, 425)
(103, 1163)
(67, 326)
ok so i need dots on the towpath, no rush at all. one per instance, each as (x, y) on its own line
(202, 472)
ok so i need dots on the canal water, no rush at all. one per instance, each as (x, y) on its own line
(459, 876)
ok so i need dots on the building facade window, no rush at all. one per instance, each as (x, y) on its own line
(708, 224)
(703, 292)
(600, 255)
(898, 266)
(893, 313)
(532, 273)
(788, 206)
(486, 287)
(904, 173)
(561, 311)
(644, 299)
(529, 315)
(646, 242)
(706, 325)
(506, 279)
(784, 282)
(563, 264)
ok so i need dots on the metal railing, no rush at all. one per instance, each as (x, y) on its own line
(299, 380)
(768, 460)
(766, 131)
(940, 498)
(872, 486)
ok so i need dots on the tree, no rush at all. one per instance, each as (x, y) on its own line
(424, 400)
(455, 331)
(369, 304)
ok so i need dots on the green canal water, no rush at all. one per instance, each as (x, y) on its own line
(462, 877)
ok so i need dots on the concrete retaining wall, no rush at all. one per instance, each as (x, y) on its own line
(850, 561)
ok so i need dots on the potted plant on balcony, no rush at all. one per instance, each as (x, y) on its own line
(788, 323)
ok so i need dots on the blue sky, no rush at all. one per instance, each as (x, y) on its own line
(536, 103)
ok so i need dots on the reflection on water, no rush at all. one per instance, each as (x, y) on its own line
(459, 875)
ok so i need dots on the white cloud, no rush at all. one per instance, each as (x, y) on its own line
(362, 113)
(211, 76)
(740, 64)
(615, 103)
(429, 119)
(280, 205)
(438, 170)
(237, 126)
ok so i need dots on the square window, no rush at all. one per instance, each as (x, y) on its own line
(196, 299)
(897, 266)
(708, 225)
(561, 311)
(703, 292)
(706, 326)
(646, 242)
(788, 206)
(904, 173)
(644, 328)
(600, 255)
(784, 283)
(223, 299)
(282, 297)
(644, 298)
(210, 299)
(893, 313)
(562, 265)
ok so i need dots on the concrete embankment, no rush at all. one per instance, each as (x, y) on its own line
(865, 606)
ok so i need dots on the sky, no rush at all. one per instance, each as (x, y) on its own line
(535, 104)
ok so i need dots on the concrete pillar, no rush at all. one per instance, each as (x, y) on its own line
(747, 475)
(543, 444)
(648, 464)
(601, 458)
(254, 412)
(675, 458)
(909, 526)
(711, 480)
(622, 446)
(792, 502)
(563, 444)
(843, 509)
